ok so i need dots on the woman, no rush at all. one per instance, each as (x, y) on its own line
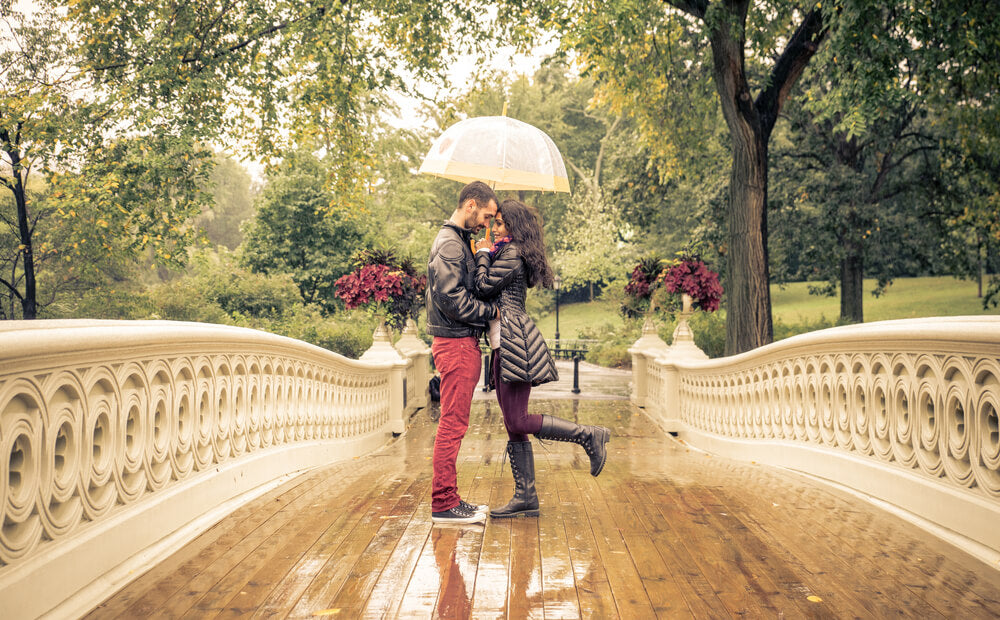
(506, 269)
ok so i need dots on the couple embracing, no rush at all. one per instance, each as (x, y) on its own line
(483, 291)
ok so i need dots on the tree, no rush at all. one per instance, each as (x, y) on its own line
(301, 229)
(652, 60)
(858, 206)
(104, 196)
(410, 207)
(592, 250)
(260, 75)
(895, 97)
(589, 239)
(232, 203)
(639, 54)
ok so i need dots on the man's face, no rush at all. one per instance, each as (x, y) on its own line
(480, 217)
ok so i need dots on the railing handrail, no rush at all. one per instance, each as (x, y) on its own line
(905, 411)
(116, 436)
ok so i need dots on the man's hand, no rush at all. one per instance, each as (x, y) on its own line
(484, 244)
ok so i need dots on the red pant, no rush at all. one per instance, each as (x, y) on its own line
(513, 398)
(459, 362)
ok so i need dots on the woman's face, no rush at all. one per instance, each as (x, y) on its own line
(499, 228)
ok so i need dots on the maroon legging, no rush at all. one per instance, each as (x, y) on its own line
(513, 398)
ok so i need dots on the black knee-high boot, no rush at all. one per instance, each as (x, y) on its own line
(525, 500)
(592, 438)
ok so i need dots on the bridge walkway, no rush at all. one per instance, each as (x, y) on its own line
(665, 531)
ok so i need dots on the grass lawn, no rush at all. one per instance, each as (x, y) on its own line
(574, 317)
(906, 298)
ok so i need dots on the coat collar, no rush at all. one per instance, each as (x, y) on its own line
(465, 233)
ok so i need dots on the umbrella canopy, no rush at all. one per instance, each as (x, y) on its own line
(502, 151)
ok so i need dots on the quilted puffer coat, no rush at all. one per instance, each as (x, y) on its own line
(523, 353)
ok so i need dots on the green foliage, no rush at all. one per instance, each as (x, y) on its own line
(613, 341)
(125, 302)
(385, 285)
(843, 203)
(112, 103)
(112, 192)
(592, 249)
(784, 329)
(131, 196)
(301, 229)
(349, 334)
(271, 75)
(219, 290)
(232, 203)
(893, 82)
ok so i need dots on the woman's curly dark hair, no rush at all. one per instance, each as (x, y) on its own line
(525, 228)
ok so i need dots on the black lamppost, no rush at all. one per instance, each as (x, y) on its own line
(557, 282)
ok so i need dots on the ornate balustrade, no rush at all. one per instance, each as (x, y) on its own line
(903, 411)
(125, 438)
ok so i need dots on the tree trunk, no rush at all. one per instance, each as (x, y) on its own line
(981, 266)
(852, 274)
(748, 296)
(28, 302)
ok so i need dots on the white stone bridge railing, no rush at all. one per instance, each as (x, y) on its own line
(120, 441)
(901, 411)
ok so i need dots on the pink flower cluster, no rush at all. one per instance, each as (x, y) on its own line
(378, 283)
(697, 280)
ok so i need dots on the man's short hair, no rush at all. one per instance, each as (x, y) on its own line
(478, 191)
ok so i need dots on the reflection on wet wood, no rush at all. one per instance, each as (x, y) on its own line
(663, 532)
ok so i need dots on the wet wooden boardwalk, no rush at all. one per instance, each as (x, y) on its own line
(663, 532)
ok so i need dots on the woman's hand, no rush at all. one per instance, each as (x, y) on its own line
(484, 244)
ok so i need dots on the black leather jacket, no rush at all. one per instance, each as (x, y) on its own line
(453, 310)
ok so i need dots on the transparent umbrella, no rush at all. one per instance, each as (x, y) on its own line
(499, 150)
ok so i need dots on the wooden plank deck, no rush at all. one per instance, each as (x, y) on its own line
(663, 532)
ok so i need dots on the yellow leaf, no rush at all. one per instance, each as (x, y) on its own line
(327, 612)
(814, 599)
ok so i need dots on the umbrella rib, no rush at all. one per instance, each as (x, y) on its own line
(503, 152)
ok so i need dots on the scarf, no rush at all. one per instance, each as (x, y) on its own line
(499, 243)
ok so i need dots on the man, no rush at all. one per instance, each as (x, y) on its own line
(456, 319)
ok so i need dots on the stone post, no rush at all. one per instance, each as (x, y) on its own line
(682, 349)
(419, 355)
(646, 348)
(383, 351)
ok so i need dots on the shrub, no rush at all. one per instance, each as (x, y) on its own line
(784, 330)
(349, 333)
(385, 284)
(184, 300)
(103, 303)
(611, 350)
